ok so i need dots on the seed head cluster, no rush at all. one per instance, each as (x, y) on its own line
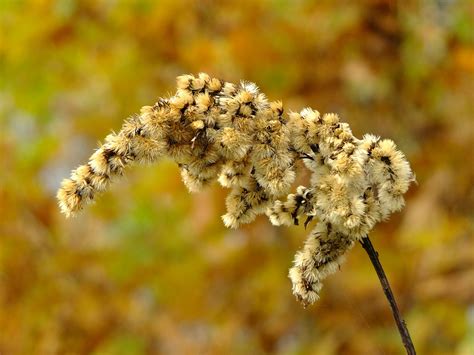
(215, 130)
(354, 184)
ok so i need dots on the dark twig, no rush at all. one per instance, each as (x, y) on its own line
(402, 327)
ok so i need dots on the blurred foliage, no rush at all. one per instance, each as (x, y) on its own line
(150, 269)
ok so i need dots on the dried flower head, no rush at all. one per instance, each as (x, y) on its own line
(216, 130)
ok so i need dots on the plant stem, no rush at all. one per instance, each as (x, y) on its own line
(402, 327)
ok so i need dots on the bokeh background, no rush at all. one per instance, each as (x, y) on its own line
(150, 269)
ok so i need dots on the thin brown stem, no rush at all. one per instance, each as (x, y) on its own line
(402, 327)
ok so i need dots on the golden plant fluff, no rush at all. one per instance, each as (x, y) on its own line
(215, 130)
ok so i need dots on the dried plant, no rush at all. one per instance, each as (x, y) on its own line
(216, 130)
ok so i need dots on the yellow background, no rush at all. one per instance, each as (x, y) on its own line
(150, 269)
